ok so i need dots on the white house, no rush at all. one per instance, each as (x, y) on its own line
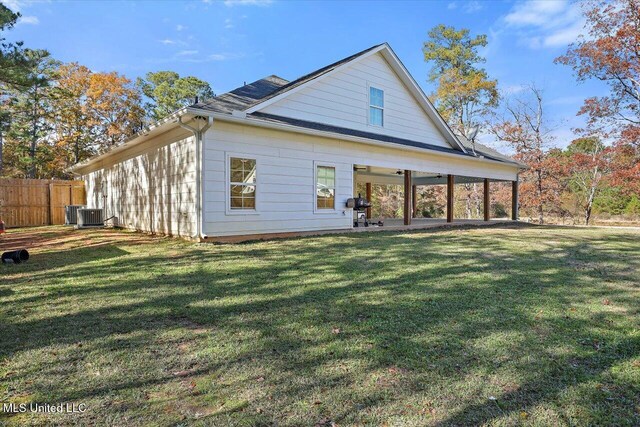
(275, 156)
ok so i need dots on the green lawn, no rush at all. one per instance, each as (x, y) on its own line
(496, 326)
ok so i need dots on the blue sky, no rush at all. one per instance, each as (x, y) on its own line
(229, 42)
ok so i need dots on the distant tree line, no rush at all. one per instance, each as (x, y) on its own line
(53, 115)
(599, 170)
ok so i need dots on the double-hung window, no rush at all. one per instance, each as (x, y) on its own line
(325, 187)
(242, 183)
(376, 106)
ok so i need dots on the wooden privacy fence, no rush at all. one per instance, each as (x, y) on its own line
(31, 202)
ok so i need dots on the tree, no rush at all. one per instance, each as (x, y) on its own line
(525, 128)
(66, 115)
(93, 111)
(464, 92)
(14, 71)
(586, 163)
(168, 92)
(74, 124)
(610, 200)
(625, 168)
(114, 105)
(14, 64)
(8, 52)
(611, 54)
(30, 111)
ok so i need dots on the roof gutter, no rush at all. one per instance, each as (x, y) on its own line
(135, 139)
(242, 119)
(198, 133)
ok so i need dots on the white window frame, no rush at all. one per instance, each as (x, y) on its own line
(227, 184)
(317, 164)
(369, 86)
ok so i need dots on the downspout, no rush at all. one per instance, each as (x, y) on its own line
(198, 134)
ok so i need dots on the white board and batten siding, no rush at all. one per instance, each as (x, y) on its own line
(285, 189)
(342, 99)
(150, 187)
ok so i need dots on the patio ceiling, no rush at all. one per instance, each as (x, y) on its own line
(395, 176)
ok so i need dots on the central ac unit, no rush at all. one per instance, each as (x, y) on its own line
(90, 218)
(71, 214)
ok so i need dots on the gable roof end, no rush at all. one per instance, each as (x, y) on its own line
(396, 65)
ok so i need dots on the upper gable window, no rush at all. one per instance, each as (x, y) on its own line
(376, 106)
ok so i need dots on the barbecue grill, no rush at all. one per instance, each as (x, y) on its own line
(360, 206)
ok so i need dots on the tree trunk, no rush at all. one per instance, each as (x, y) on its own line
(477, 198)
(587, 215)
(31, 172)
(32, 153)
(1, 146)
(592, 193)
(540, 208)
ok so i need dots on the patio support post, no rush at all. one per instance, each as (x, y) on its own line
(450, 182)
(368, 186)
(514, 200)
(487, 200)
(407, 197)
(414, 200)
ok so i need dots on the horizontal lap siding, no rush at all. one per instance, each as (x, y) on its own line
(286, 176)
(342, 100)
(286, 187)
(152, 188)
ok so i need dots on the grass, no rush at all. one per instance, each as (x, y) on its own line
(493, 326)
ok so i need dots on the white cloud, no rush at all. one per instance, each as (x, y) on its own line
(467, 7)
(546, 24)
(535, 12)
(225, 56)
(14, 5)
(28, 20)
(194, 57)
(512, 89)
(19, 5)
(472, 7)
(180, 27)
(567, 100)
(231, 3)
(167, 41)
(228, 23)
(564, 36)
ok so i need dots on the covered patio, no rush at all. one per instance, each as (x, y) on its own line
(410, 181)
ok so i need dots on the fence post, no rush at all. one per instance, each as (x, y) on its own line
(50, 198)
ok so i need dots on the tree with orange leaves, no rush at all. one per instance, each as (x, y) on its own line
(94, 111)
(611, 54)
(525, 128)
(115, 105)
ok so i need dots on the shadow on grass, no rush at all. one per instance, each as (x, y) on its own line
(420, 302)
